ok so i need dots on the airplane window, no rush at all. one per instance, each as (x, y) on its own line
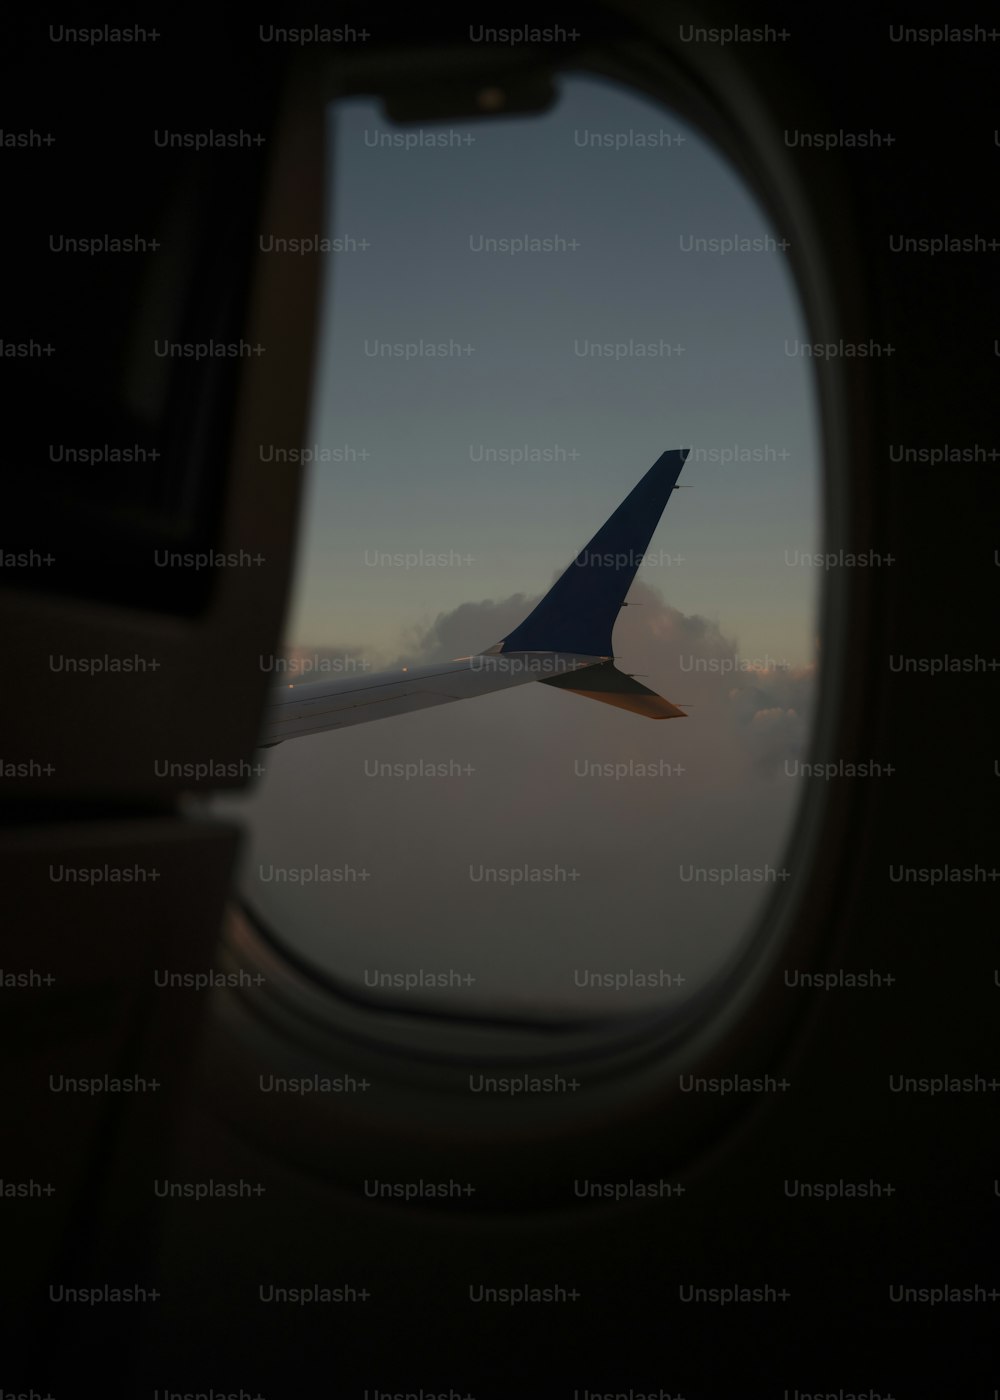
(521, 317)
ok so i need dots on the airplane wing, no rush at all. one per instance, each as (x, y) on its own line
(315, 706)
(565, 641)
(606, 683)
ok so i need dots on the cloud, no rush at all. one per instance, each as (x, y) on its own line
(469, 629)
(762, 703)
(539, 777)
(317, 663)
(773, 711)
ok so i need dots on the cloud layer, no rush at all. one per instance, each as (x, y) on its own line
(536, 779)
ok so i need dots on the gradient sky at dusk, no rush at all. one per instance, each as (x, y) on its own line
(717, 593)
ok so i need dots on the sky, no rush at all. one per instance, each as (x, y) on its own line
(453, 488)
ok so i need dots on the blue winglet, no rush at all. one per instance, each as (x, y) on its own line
(578, 613)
